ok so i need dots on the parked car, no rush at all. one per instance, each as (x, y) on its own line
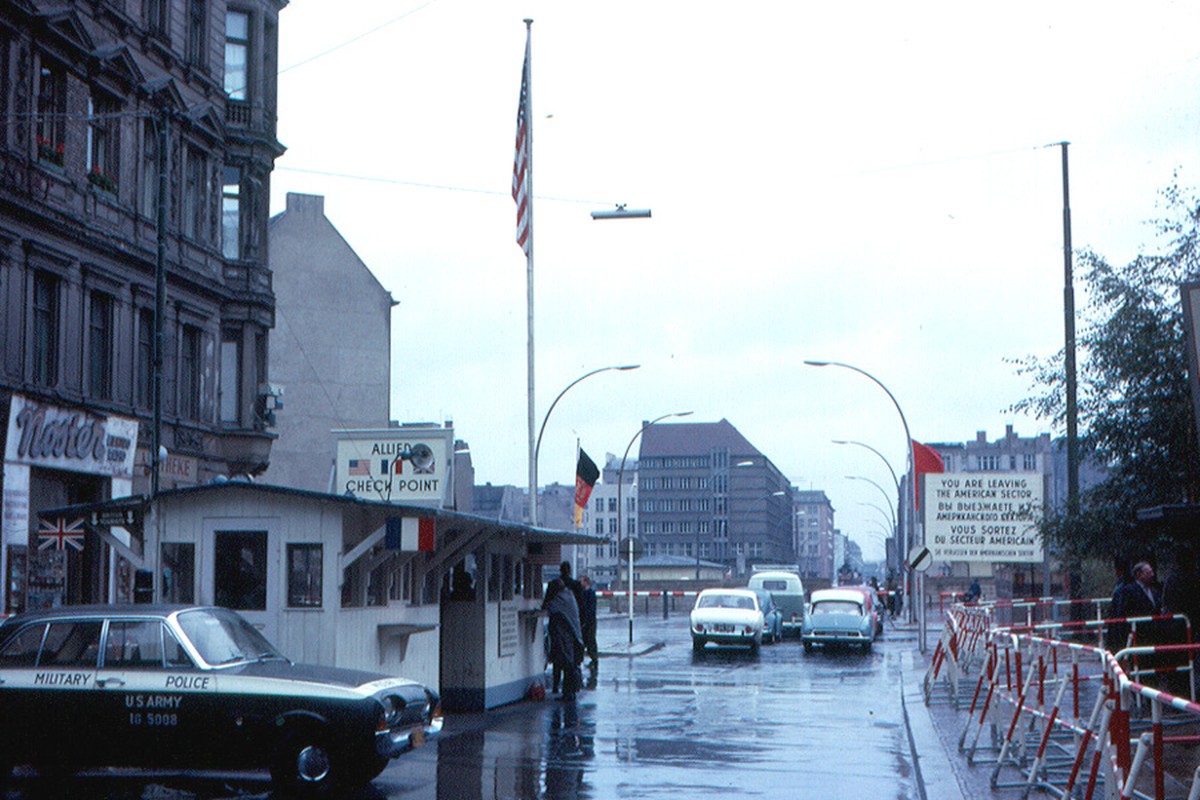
(772, 618)
(729, 617)
(871, 601)
(838, 617)
(787, 590)
(195, 687)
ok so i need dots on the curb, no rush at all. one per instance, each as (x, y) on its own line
(935, 774)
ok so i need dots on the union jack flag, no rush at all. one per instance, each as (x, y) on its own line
(56, 534)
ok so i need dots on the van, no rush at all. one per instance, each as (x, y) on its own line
(787, 590)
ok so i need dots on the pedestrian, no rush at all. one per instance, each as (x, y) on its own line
(564, 572)
(974, 592)
(587, 619)
(1141, 597)
(566, 638)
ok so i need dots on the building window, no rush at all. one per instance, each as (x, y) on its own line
(155, 14)
(145, 358)
(231, 188)
(1031, 462)
(51, 114)
(189, 373)
(240, 575)
(304, 575)
(237, 48)
(197, 25)
(598, 504)
(100, 345)
(612, 505)
(231, 374)
(45, 329)
(631, 527)
(989, 463)
(612, 525)
(104, 142)
(178, 571)
(148, 196)
(194, 195)
(599, 527)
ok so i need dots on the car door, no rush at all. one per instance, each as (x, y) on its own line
(144, 698)
(48, 689)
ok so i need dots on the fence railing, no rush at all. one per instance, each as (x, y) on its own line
(1067, 702)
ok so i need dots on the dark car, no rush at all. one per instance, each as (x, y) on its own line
(194, 687)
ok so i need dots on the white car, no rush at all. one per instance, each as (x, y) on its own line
(727, 616)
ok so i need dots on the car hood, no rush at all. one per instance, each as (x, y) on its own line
(312, 673)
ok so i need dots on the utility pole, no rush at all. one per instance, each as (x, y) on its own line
(160, 300)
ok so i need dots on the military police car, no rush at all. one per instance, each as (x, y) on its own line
(194, 687)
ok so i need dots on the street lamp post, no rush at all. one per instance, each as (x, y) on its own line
(621, 510)
(882, 491)
(912, 484)
(537, 448)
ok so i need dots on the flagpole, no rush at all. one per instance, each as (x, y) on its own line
(528, 101)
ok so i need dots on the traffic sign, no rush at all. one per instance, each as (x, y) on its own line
(919, 558)
(623, 548)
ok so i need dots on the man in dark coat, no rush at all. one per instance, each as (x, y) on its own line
(1141, 597)
(566, 637)
(587, 619)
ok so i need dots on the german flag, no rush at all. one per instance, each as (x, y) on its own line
(586, 474)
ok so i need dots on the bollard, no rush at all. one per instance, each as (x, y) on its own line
(665, 600)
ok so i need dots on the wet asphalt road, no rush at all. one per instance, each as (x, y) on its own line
(664, 724)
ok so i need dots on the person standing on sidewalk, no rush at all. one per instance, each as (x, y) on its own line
(587, 619)
(566, 638)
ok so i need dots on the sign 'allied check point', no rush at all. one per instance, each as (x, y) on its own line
(984, 516)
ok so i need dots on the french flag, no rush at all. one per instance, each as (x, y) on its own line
(411, 534)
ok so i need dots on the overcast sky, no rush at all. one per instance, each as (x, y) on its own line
(857, 182)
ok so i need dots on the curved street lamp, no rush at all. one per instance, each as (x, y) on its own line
(533, 476)
(882, 491)
(886, 463)
(621, 509)
(912, 490)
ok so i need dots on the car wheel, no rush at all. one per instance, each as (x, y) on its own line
(866, 648)
(754, 645)
(697, 644)
(305, 765)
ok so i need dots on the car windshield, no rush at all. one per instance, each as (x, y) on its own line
(726, 601)
(837, 607)
(223, 637)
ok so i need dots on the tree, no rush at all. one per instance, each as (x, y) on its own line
(1135, 410)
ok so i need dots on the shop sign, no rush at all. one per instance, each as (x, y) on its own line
(43, 435)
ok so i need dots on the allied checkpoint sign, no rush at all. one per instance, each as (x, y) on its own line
(407, 464)
(984, 516)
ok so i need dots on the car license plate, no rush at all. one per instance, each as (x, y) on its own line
(417, 737)
(723, 628)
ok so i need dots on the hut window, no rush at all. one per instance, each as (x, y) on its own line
(304, 575)
(241, 570)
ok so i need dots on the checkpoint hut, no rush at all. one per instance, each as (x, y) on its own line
(446, 598)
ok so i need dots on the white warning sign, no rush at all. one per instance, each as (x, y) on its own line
(984, 516)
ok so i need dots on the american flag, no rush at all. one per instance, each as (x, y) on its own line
(520, 186)
(360, 466)
(57, 534)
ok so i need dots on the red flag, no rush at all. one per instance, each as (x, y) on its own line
(925, 460)
(586, 474)
(520, 184)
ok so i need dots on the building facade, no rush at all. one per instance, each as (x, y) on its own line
(705, 492)
(137, 152)
(815, 534)
(330, 350)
